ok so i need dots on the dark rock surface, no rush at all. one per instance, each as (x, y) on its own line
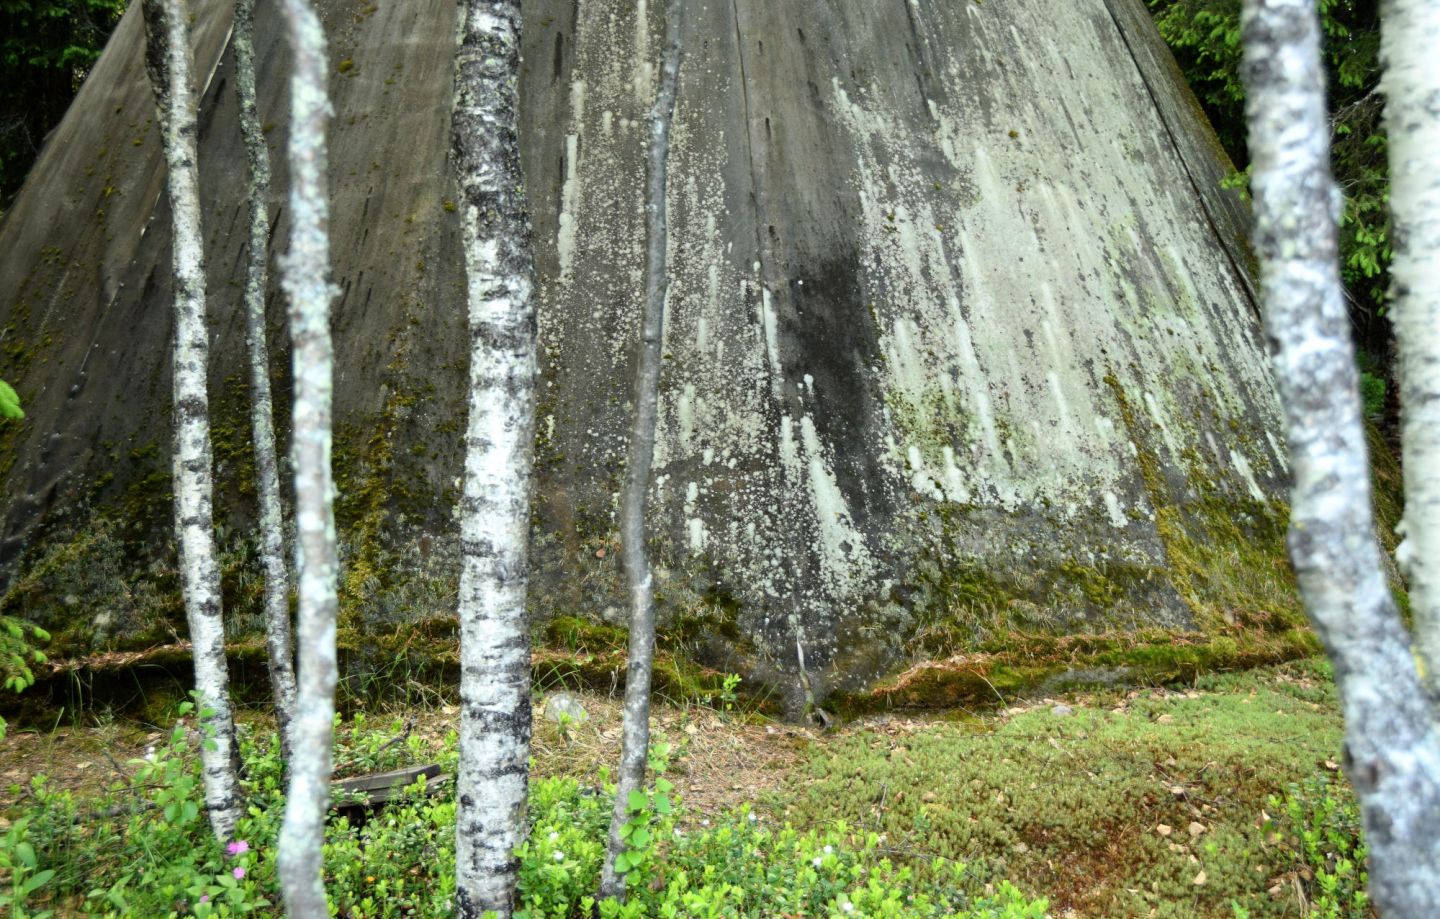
(961, 334)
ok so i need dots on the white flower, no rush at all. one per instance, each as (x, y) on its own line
(752, 817)
(848, 906)
(829, 849)
(704, 822)
(815, 861)
(559, 856)
(554, 835)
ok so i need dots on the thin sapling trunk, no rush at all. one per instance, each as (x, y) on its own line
(267, 469)
(306, 278)
(635, 743)
(1410, 33)
(168, 63)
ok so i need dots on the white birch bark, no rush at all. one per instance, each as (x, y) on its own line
(491, 786)
(267, 469)
(1410, 32)
(635, 741)
(167, 53)
(306, 278)
(1391, 753)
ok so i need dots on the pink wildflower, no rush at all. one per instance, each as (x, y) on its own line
(238, 872)
(238, 847)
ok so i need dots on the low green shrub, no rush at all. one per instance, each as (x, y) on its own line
(1318, 825)
(144, 849)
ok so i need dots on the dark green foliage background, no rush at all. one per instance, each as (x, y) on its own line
(46, 49)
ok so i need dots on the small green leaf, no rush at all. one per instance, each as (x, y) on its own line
(637, 801)
(9, 402)
(40, 879)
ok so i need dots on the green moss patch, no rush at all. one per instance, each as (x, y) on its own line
(1227, 556)
(1018, 663)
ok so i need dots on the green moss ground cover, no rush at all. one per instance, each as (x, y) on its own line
(1150, 803)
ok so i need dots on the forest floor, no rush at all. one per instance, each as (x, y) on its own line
(1164, 801)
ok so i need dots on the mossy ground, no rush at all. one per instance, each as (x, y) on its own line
(1072, 806)
(1068, 806)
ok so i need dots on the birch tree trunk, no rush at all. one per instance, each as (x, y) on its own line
(1391, 753)
(306, 278)
(635, 743)
(1410, 31)
(491, 787)
(267, 472)
(167, 60)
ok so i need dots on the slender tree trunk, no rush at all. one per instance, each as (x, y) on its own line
(267, 468)
(306, 278)
(167, 53)
(635, 744)
(1391, 754)
(1410, 31)
(490, 818)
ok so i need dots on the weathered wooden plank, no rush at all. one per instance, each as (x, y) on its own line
(380, 787)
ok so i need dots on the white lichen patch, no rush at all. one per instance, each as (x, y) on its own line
(988, 271)
(1116, 512)
(570, 191)
(1001, 295)
(844, 559)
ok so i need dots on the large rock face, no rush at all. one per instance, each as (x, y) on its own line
(961, 334)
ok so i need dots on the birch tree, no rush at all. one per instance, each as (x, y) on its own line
(1391, 752)
(635, 742)
(267, 471)
(1410, 30)
(168, 64)
(306, 278)
(495, 725)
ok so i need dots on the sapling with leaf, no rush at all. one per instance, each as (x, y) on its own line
(640, 456)
(643, 809)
